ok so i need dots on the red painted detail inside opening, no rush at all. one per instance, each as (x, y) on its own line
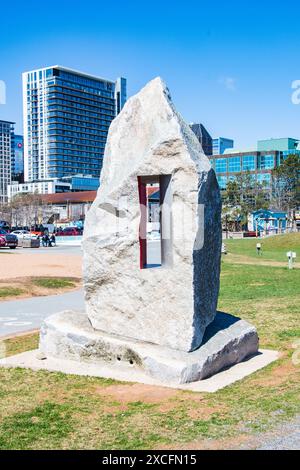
(143, 222)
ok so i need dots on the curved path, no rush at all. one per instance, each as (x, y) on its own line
(18, 316)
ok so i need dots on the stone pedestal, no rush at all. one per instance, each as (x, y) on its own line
(227, 341)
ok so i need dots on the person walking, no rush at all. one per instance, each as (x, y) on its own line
(258, 248)
(52, 241)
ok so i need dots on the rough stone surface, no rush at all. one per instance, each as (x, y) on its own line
(227, 341)
(172, 305)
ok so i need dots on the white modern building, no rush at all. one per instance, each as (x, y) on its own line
(38, 187)
(66, 117)
(6, 157)
(75, 183)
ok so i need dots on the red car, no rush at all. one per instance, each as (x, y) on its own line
(2, 242)
(10, 240)
(249, 234)
(68, 231)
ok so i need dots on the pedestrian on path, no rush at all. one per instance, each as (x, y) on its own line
(258, 249)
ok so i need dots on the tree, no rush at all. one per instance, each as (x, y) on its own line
(26, 209)
(285, 184)
(242, 196)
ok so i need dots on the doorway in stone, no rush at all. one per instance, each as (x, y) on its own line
(155, 232)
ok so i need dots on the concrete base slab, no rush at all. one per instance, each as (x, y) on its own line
(124, 372)
(227, 341)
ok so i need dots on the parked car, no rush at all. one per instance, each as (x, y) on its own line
(69, 231)
(249, 234)
(2, 242)
(10, 240)
(24, 234)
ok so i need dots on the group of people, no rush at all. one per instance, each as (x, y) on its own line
(48, 240)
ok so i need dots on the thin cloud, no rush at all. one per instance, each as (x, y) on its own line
(229, 83)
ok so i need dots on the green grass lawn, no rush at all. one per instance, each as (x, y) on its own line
(52, 282)
(52, 410)
(10, 292)
(273, 248)
(35, 286)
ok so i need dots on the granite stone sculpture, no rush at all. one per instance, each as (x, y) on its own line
(171, 306)
(159, 316)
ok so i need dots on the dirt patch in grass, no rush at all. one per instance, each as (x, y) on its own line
(232, 443)
(24, 287)
(168, 399)
(281, 374)
(137, 392)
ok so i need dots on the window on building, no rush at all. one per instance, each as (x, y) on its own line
(221, 165)
(249, 162)
(266, 162)
(234, 164)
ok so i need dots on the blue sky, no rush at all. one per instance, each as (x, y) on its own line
(228, 64)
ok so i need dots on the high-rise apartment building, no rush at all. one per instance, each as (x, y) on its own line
(6, 157)
(66, 119)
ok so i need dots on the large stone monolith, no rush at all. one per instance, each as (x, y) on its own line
(171, 305)
(151, 300)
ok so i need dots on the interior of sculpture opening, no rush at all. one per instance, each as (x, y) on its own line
(154, 206)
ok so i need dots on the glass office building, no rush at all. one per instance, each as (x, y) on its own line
(284, 144)
(221, 144)
(66, 119)
(6, 157)
(258, 164)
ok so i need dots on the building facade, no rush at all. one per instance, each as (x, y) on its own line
(17, 164)
(74, 183)
(221, 144)
(258, 164)
(66, 118)
(6, 157)
(285, 145)
(38, 187)
(68, 207)
(268, 221)
(204, 138)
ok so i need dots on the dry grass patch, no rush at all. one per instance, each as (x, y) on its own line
(25, 287)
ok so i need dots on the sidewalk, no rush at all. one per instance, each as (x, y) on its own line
(22, 315)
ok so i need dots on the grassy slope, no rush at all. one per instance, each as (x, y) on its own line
(52, 410)
(273, 248)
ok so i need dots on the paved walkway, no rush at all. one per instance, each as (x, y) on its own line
(60, 249)
(27, 314)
